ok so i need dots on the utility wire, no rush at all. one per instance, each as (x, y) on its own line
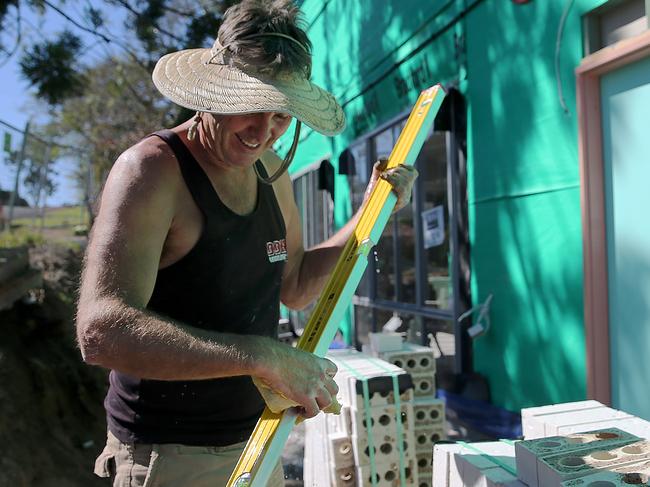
(39, 139)
(415, 51)
(95, 32)
(19, 31)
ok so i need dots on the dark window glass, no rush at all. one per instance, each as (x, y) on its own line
(359, 181)
(432, 165)
(384, 251)
(315, 209)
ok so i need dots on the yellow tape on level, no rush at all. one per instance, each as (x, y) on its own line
(264, 447)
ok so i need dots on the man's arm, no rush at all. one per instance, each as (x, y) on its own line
(115, 330)
(307, 271)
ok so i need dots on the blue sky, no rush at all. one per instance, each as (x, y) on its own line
(17, 103)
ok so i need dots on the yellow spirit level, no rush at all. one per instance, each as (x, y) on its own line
(265, 445)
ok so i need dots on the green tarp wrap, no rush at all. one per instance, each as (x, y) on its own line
(516, 69)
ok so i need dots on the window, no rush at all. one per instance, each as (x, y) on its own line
(315, 207)
(316, 214)
(409, 272)
(614, 21)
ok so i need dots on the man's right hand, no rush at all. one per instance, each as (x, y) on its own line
(300, 376)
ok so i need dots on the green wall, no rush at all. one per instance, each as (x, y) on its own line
(523, 181)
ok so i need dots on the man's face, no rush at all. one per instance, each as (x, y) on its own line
(241, 139)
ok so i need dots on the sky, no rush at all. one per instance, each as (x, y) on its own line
(17, 104)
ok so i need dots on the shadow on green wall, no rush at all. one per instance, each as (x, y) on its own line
(525, 202)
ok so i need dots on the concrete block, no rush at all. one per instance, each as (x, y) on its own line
(385, 342)
(386, 449)
(352, 367)
(344, 477)
(553, 470)
(428, 411)
(341, 450)
(388, 474)
(636, 426)
(529, 451)
(621, 477)
(382, 418)
(424, 460)
(424, 384)
(427, 436)
(414, 359)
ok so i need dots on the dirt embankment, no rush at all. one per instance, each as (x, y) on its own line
(51, 417)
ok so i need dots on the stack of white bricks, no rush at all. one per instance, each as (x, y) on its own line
(338, 447)
(482, 464)
(419, 363)
(575, 417)
(581, 444)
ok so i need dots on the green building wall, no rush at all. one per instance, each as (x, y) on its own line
(523, 180)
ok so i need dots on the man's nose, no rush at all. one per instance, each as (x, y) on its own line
(263, 125)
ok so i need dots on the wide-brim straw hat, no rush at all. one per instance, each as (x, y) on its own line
(191, 78)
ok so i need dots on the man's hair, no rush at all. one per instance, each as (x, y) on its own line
(242, 32)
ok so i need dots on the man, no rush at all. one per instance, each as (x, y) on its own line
(196, 242)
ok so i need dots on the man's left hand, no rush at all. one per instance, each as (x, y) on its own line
(401, 177)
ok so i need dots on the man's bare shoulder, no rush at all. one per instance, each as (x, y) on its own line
(146, 173)
(151, 157)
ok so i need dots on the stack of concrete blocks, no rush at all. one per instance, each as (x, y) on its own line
(563, 451)
(575, 417)
(620, 477)
(337, 447)
(286, 334)
(553, 461)
(482, 464)
(419, 363)
(582, 443)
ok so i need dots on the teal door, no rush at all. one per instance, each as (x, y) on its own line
(625, 104)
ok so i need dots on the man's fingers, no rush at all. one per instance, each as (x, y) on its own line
(324, 399)
(332, 387)
(310, 409)
(381, 164)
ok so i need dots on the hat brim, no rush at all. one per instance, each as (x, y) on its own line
(189, 79)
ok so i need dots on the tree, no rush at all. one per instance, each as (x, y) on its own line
(96, 82)
(39, 170)
(151, 28)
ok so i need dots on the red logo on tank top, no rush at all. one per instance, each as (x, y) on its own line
(277, 250)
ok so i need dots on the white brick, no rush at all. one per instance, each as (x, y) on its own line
(445, 470)
(385, 342)
(533, 419)
(488, 464)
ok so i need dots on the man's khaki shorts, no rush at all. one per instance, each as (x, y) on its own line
(171, 465)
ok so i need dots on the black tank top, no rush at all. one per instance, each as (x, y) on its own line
(229, 282)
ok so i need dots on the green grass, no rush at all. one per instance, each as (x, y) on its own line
(56, 218)
(19, 238)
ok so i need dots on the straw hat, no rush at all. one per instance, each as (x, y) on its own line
(211, 80)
